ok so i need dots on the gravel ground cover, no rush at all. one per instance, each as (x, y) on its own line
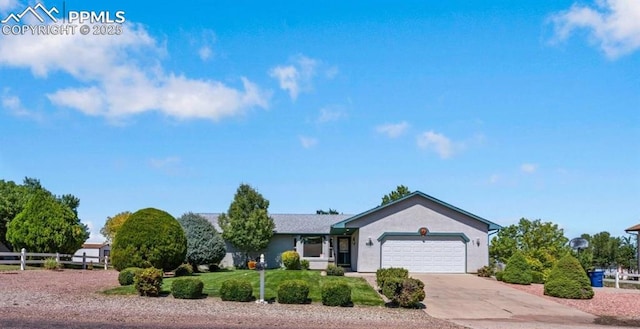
(613, 306)
(71, 299)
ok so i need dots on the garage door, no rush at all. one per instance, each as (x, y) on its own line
(425, 255)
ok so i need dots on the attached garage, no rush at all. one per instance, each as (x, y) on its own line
(425, 254)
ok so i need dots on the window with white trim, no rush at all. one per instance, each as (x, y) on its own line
(312, 246)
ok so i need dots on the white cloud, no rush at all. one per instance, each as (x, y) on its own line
(165, 162)
(7, 5)
(205, 53)
(296, 77)
(331, 113)
(614, 25)
(393, 130)
(171, 165)
(494, 179)
(308, 142)
(14, 104)
(120, 76)
(207, 39)
(94, 233)
(528, 168)
(436, 142)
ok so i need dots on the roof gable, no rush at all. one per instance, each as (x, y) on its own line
(491, 225)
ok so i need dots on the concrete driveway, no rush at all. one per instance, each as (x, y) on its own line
(477, 302)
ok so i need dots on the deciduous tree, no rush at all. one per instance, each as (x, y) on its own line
(542, 243)
(113, 224)
(47, 225)
(400, 192)
(247, 225)
(327, 212)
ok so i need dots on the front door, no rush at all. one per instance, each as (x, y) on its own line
(344, 251)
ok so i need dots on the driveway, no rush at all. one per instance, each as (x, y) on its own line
(481, 303)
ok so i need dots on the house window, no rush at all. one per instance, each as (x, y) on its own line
(312, 246)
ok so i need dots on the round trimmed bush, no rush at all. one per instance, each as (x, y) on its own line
(537, 277)
(382, 274)
(293, 292)
(568, 280)
(499, 275)
(183, 270)
(150, 237)
(333, 270)
(517, 270)
(412, 293)
(304, 264)
(291, 260)
(336, 294)
(187, 288)
(236, 290)
(392, 287)
(149, 281)
(126, 276)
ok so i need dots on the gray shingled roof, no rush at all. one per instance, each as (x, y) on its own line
(294, 223)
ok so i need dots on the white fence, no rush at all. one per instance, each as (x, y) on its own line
(24, 258)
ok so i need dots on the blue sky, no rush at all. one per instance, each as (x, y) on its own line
(505, 109)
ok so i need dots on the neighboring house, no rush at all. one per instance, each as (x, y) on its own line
(417, 232)
(636, 229)
(92, 250)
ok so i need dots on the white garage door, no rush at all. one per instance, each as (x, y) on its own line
(425, 255)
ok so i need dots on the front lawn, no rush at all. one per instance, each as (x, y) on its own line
(361, 292)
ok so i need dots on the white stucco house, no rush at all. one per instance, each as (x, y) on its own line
(417, 232)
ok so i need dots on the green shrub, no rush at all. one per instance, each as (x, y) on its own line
(148, 282)
(204, 244)
(336, 294)
(392, 287)
(293, 292)
(126, 276)
(149, 237)
(499, 275)
(486, 271)
(568, 280)
(183, 270)
(51, 264)
(187, 288)
(404, 292)
(304, 264)
(291, 260)
(412, 293)
(236, 290)
(537, 277)
(383, 274)
(517, 270)
(333, 270)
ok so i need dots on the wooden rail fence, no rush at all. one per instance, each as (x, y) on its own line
(24, 258)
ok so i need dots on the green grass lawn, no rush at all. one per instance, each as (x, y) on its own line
(361, 292)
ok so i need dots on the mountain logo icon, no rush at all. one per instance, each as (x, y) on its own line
(39, 11)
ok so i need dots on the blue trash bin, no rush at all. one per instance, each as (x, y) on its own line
(597, 278)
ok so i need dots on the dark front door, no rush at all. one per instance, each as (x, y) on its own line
(344, 251)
